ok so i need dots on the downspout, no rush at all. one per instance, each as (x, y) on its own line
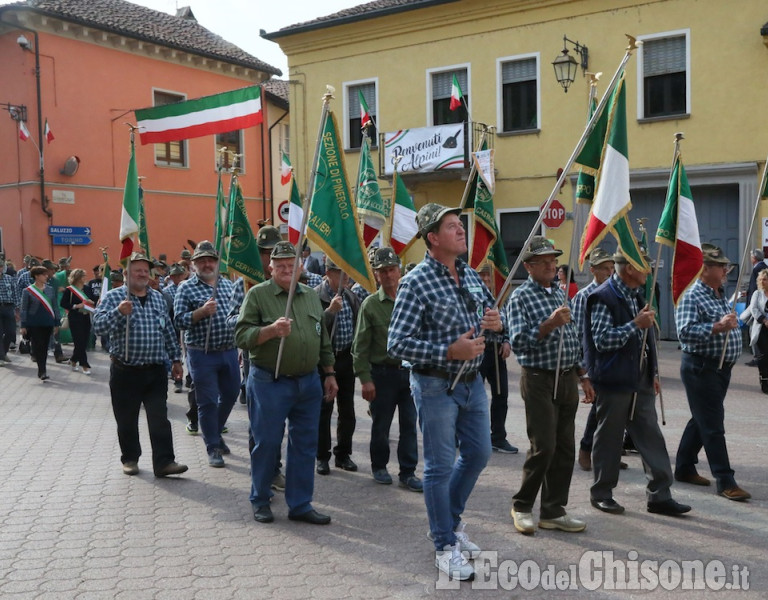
(272, 183)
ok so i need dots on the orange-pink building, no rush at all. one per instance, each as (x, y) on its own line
(97, 61)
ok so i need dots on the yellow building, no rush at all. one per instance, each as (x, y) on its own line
(701, 71)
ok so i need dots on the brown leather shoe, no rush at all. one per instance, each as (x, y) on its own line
(623, 466)
(694, 479)
(172, 468)
(585, 460)
(735, 493)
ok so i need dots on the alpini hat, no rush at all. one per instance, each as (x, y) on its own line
(267, 237)
(283, 250)
(205, 249)
(385, 257)
(540, 246)
(429, 217)
(177, 269)
(598, 256)
(137, 256)
(713, 255)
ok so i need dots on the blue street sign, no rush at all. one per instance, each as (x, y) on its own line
(71, 240)
(66, 230)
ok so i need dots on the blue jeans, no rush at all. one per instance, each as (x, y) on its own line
(445, 418)
(217, 384)
(270, 403)
(706, 387)
(392, 392)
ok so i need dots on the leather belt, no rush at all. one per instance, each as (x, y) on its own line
(145, 367)
(467, 377)
(223, 348)
(398, 367)
(551, 371)
(713, 363)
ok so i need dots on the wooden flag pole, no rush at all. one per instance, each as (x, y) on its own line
(305, 217)
(133, 129)
(747, 245)
(505, 289)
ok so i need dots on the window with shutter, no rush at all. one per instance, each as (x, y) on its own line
(355, 134)
(442, 83)
(170, 153)
(665, 77)
(519, 94)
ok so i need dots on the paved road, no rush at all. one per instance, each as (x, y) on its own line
(73, 526)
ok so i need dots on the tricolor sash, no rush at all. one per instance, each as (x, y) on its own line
(82, 297)
(43, 300)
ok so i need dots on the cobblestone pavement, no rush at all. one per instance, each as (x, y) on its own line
(73, 526)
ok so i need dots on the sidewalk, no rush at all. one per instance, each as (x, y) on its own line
(73, 526)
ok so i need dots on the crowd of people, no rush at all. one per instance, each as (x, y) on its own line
(423, 345)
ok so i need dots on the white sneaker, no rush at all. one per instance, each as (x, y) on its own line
(468, 549)
(453, 563)
(523, 522)
(86, 371)
(564, 523)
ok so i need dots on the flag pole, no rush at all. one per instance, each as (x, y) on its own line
(648, 301)
(220, 242)
(505, 289)
(572, 253)
(745, 255)
(305, 217)
(133, 129)
(472, 169)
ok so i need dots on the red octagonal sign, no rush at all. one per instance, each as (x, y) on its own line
(555, 215)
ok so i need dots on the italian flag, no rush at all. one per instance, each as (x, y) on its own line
(209, 115)
(285, 169)
(679, 228)
(48, 133)
(23, 132)
(404, 227)
(612, 201)
(456, 94)
(129, 218)
(365, 115)
(295, 215)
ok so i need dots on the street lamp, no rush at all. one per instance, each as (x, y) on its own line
(565, 65)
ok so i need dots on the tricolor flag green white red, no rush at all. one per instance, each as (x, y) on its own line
(285, 169)
(404, 228)
(129, 218)
(679, 228)
(48, 133)
(370, 204)
(456, 94)
(484, 230)
(209, 115)
(612, 200)
(295, 215)
(23, 132)
(365, 114)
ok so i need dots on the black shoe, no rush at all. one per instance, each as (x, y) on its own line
(346, 463)
(669, 507)
(263, 514)
(312, 517)
(323, 468)
(751, 363)
(608, 505)
(61, 358)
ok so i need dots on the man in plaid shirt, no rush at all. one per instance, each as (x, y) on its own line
(212, 359)
(441, 312)
(9, 301)
(139, 376)
(703, 317)
(539, 316)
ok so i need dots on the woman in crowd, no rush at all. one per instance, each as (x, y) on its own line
(80, 307)
(759, 328)
(39, 316)
(571, 288)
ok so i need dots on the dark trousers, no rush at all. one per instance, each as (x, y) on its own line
(549, 463)
(706, 387)
(393, 391)
(130, 388)
(80, 328)
(589, 429)
(7, 328)
(762, 357)
(38, 339)
(345, 401)
(500, 394)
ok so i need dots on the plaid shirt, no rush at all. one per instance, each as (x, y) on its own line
(23, 281)
(431, 312)
(313, 279)
(153, 340)
(345, 325)
(191, 295)
(359, 291)
(9, 294)
(608, 338)
(235, 302)
(579, 305)
(528, 307)
(697, 312)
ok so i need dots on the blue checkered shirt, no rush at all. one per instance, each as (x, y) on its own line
(696, 314)
(431, 312)
(235, 302)
(344, 330)
(359, 291)
(579, 305)
(528, 307)
(313, 279)
(606, 336)
(8, 292)
(190, 296)
(171, 288)
(153, 340)
(23, 281)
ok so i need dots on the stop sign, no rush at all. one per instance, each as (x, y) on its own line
(555, 214)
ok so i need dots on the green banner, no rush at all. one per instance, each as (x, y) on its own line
(332, 221)
(242, 251)
(143, 233)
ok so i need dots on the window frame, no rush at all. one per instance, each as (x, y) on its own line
(500, 62)
(522, 209)
(216, 144)
(686, 33)
(447, 69)
(346, 85)
(184, 145)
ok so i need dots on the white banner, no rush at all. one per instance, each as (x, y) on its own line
(484, 165)
(425, 150)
